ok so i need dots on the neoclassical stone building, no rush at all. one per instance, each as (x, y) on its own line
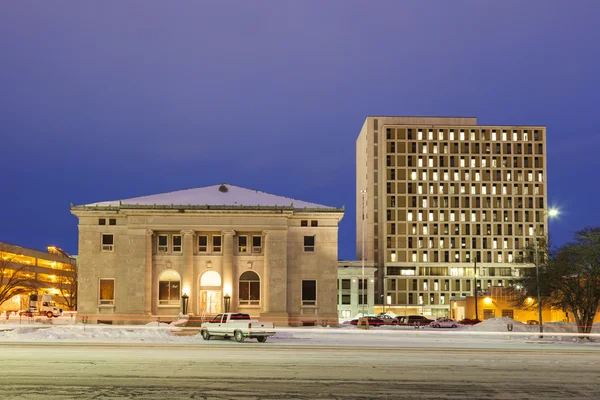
(270, 256)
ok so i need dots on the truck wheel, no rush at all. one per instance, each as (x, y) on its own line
(239, 336)
(49, 314)
(205, 335)
(261, 339)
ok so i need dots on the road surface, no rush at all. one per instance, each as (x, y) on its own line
(267, 371)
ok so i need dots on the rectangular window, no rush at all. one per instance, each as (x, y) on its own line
(202, 244)
(309, 244)
(168, 292)
(242, 244)
(112, 221)
(107, 242)
(163, 244)
(314, 223)
(346, 299)
(216, 244)
(102, 221)
(106, 292)
(346, 284)
(256, 244)
(303, 222)
(309, 293)
(176, 243)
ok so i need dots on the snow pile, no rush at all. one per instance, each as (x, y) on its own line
(500, 324)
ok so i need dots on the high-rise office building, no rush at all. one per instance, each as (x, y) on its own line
(443, 200)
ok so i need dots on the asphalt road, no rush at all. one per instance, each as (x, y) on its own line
(268, 371)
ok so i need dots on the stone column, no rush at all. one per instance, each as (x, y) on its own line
(264, 284)
(149, 268)
(188, 269)
(276, 279)
(229, 280)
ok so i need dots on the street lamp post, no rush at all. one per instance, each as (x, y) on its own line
(363, 192)
(551, 213)
(475, 290)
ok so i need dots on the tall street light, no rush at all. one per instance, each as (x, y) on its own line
(363, 192)
(552, 212)
(475, 290)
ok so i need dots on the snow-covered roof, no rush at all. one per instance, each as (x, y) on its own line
(215, 195)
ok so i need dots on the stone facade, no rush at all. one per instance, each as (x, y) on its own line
(153, 253)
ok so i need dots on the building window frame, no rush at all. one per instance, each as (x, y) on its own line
(249, 289)
(171, 285)
(177, 248)
(162, 243)
(105, 246)
(256, 244)
(217, 243)
(309, 243)
(242, 247)
(308, 294)
(202, 248)
(106, 297)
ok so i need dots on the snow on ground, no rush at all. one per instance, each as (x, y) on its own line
(489, 333)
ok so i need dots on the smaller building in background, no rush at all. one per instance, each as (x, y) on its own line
(52, 272)
(355, 289)
(499, 302)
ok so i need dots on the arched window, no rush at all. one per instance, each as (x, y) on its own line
(169, 288)
(249, 288)
(210, 278)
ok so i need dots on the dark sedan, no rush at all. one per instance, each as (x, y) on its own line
(373, 321)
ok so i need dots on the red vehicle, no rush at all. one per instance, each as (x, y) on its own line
(373, 321)
(468, 321)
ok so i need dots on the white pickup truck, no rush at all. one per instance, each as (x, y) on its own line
(237, 325)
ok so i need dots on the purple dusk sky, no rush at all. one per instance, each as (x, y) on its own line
(116, 99)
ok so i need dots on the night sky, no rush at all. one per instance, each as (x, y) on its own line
(120, 99)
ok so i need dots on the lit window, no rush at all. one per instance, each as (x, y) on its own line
(249, 288)
(106, 292)
(169, 288)
(242, 244)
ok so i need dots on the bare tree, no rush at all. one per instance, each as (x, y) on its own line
(67, 286)
(570, 278)
(15, 277)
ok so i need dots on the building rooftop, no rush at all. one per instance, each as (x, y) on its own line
(215, 195)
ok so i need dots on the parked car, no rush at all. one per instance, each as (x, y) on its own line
(373, 321)
(444, 323)
(388, 319)
(468, 321)
(414, 320)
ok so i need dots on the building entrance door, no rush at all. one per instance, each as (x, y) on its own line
(210, 302)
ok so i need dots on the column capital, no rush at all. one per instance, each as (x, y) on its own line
(149, 232)
(187, 232)
(228, 232)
